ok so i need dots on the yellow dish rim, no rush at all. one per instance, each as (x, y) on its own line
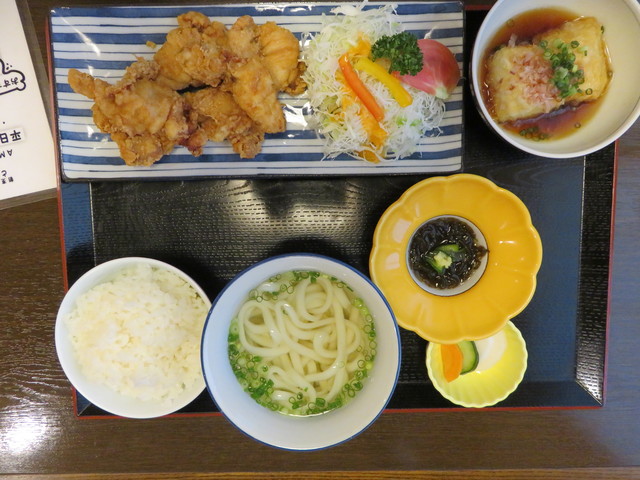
(505, 288)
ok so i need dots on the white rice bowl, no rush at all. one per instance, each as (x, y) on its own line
(128, 337)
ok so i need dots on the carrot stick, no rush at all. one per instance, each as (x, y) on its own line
(375, 133)
(360, 88)
(451, 361)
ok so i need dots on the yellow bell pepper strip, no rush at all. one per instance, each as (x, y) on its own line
(378, 72)
(362, 48)
(359, 88)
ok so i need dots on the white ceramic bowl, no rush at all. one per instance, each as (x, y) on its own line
(620, 106)
(101, 396)
(295, 432)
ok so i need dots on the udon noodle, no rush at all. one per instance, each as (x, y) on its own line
(302, 343)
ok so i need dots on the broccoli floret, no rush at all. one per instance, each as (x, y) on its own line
(402, 50)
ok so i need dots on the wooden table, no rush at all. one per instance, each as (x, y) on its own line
(41, 437)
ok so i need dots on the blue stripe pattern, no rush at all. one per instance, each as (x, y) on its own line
(107, 39)
(94, 136)
(224, 158)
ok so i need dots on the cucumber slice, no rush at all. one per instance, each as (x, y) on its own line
(453, 250)
(448, 248)
(439, 261)
(441, 258)
(470, 357)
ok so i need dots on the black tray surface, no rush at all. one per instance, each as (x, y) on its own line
(212, 229)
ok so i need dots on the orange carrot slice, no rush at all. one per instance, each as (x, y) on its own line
(451, 361)
(375, 133)
(359, 88)
(369, 156)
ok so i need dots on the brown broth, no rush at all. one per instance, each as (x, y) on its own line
(529, 24)
(556, 124)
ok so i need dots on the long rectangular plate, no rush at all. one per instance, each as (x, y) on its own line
(103, 41)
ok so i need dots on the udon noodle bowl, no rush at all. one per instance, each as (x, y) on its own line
(302, 343)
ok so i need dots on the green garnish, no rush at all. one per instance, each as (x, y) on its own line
(401, 50)
(534, 133)
(567, 76)
(441, 257)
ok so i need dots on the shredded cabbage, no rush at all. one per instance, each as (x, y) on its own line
(341, 128)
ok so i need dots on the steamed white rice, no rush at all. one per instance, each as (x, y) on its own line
(139, 333)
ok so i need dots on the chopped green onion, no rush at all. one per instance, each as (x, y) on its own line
(567, 75)
(534, 133)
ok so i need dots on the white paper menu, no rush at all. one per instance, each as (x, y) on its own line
(27, 154)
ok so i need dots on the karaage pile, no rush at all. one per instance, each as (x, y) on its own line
(205, 83)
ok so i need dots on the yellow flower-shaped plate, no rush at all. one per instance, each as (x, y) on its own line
(486, 388)
(508, 282)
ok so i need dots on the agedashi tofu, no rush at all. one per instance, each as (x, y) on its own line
(591, 54)
(519, 81)
(522, 80)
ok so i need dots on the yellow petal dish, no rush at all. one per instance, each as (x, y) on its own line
(486, 388)
(504, 289)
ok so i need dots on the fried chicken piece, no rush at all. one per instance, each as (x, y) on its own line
(280, 49)
(256, 94)
(253, 87)
(194, 54)
(220, 118)
(243, 38)
(144, 118)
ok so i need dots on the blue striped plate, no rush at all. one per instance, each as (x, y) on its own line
(104, 40)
